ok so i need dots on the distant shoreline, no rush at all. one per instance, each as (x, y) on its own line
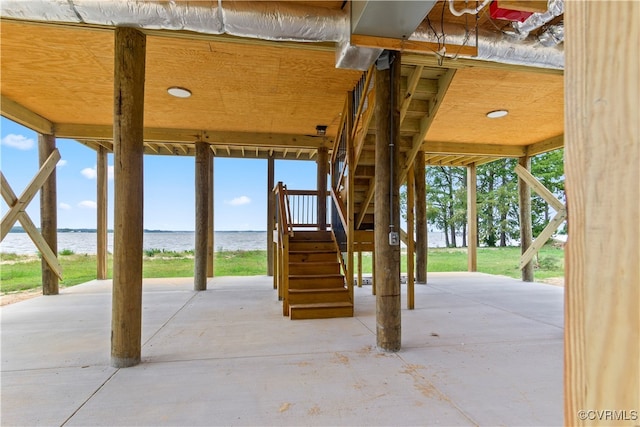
(93, 230)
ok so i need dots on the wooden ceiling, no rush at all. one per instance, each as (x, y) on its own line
(252, 98)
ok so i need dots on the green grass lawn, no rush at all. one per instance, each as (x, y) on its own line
(19, 272)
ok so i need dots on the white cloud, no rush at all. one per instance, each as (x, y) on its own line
(89, 173)
(89, 204)
(62, 162)
(64, 206)
(20, 142)
(242, 200)
(92, 173)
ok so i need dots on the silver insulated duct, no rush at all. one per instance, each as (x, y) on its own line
(267, 21)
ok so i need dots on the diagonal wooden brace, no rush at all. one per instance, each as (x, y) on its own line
(553, 225)
(28, 225)
(542, 238)
(542, 191)
(27, 195)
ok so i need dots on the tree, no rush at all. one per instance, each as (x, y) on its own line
(443, 184)
(497, 198)
(548, 168)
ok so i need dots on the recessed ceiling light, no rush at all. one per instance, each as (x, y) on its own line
(179, 92)
(497, 114)
(321, 130)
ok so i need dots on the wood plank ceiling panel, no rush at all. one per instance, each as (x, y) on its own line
(535, 103)
(66, 76)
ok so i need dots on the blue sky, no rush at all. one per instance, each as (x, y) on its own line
(240, 188)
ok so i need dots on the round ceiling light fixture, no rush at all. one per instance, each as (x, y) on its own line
(495, 114)
(179, 92)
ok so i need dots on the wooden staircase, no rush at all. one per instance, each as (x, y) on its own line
(316, 287)
(422, 90)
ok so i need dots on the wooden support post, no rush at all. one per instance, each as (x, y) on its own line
(472, 218)
(350, 197)
(359, 269)
(526, 230)
(211, 255)
(387, 205)
(48, 214)
(422, 229)
(202, 215)
(271, 214)
(411, 201)
(602, 274)
(323, 165)
(102, 201)
(373, 272)
(128, 146)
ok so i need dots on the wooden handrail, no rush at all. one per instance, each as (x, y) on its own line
(336, 142)
(340, 208)
(363, 97)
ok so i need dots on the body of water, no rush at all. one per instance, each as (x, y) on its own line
(81, 243)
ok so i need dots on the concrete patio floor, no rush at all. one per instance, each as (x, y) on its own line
(477, 350)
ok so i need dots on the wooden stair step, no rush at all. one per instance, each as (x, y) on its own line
(314, 267)
(320, 310)
(298, 246)
(314, 296)
(312, 256)
(315, 281)
(312, 235)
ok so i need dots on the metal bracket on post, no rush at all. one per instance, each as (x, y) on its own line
(385, 60)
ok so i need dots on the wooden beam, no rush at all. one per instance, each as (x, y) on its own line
(202, 215)
(102, 202)
(387, 209)
(542, 191)
(425, 122)
(472, 218)
(542, 238)
(441, 147)
(461, 63)
(526, 232)
(365, 203)
(48, 214)
(189, 136)
(533, 6)
(128, 126)
(22, 115)
(151, 147)
(323, 165)
(359, 268)
(350, 184)
(28, 225)
(413, 46)
(545, 146)
(362, 132)
(11, 216)
(422, 230)
(271, 214)
(211, 256)
(411, 199)
(602, 152)
(412, 82)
